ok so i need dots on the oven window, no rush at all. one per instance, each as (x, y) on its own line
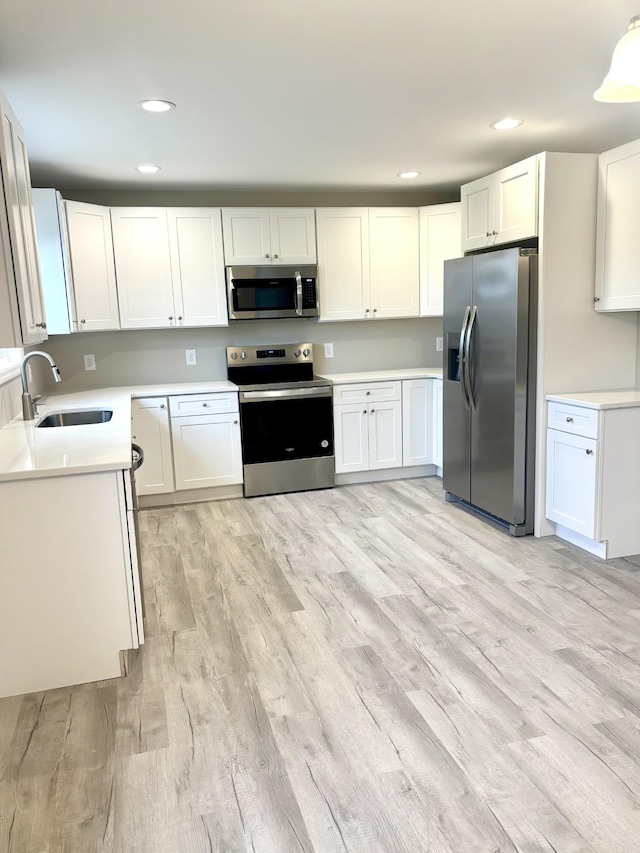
(264, 297)
(274, 430)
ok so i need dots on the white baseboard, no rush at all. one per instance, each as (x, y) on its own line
(385, 474)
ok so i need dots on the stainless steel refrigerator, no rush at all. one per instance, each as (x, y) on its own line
(489, 384)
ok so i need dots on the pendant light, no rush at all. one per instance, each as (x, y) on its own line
(622, 83)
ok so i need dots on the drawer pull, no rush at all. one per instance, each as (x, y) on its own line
(569, 420)
(205, 405)
(162, 405)
(589, 452)
(368, 393)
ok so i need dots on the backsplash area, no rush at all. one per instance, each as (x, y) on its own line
(153, 356)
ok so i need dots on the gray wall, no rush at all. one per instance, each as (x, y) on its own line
(228, 198)
(156, 356)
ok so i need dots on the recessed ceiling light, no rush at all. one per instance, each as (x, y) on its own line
(409, 174)
(505, 124)
(148, 168)
(155, 106)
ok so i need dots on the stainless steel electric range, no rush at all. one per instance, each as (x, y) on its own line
(286, 416)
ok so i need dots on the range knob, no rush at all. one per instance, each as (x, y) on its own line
(296, 352)
(234, 355)
(305, 352)
(243, 354)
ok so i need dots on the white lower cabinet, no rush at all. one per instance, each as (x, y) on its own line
(68, 611)
(151, 430)
(593, 470)
(206, 447)
(368, 426)
(417, 420)
(438, 423)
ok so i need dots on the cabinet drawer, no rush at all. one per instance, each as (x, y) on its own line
(367, 392)
(202, 404)
(574, 419)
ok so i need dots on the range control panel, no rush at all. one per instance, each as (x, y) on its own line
(281, 354)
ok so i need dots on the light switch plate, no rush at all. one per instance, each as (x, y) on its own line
(328, 350)
(191, 356)
(438, 344)
(90, 362)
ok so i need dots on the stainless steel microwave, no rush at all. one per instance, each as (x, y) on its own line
(266, 293)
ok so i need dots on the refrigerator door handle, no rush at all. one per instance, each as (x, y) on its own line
(461, 357)
(467, 357)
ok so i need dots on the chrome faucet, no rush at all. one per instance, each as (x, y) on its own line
(29, 405)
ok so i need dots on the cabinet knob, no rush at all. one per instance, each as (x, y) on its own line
(488, 234)
(205, 405)
(569, 420)
(83, 321)
(42, 325)
(170, 317)
(368, 393)
(373, 411)
(364, 411)
(275, 256)
(161, 406)
(589, 452)
(179, 318)
(495, 233)
(235, 422)
(596, 299)
(375, 310)
(366, 310)
(267, 255)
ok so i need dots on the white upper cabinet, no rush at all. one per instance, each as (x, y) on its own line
(502, 207)
(440, 240)
(55, 270)
(76, 262)
(169, 267)
(22, 318)
(259, 236)
(617, 245)
(92, 265)
(343, 263)
(394, 262)
(197, 266)
(368, 263)
(143, 267)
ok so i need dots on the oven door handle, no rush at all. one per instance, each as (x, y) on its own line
(298, 293)
(284, 394)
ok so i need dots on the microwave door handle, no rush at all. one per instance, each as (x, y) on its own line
(298, 294)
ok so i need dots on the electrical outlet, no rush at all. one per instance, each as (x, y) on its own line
(328, 350)
(438, 344)
(191, 356)
(90, 362)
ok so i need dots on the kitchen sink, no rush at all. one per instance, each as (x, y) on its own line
(59, 419)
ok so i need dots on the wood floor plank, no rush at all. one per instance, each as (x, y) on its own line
(366, 669)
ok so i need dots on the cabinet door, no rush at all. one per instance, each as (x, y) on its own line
(394, 259)
(440, 240)
(515, 214)
(246, 235)
(417, 422)
(92, 266)
(16, 181)
(293, 235)
(197, 265)
(55, 270)
(437, 422)
(143, 267)
(617, 246)
(206, 451)
(150, 429)
(573, 482)
(477, 213)
(351, 432)
(385, 435)
(343, 263)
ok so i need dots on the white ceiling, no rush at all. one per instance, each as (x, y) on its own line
(306, 94)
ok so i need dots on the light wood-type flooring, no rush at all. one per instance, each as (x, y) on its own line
(361, 669)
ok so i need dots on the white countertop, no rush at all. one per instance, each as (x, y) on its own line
(29, 452)
(385, 375)
(622, 398)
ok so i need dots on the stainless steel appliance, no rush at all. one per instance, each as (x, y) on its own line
(489, 384)
(263, 293)
(286, 416)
